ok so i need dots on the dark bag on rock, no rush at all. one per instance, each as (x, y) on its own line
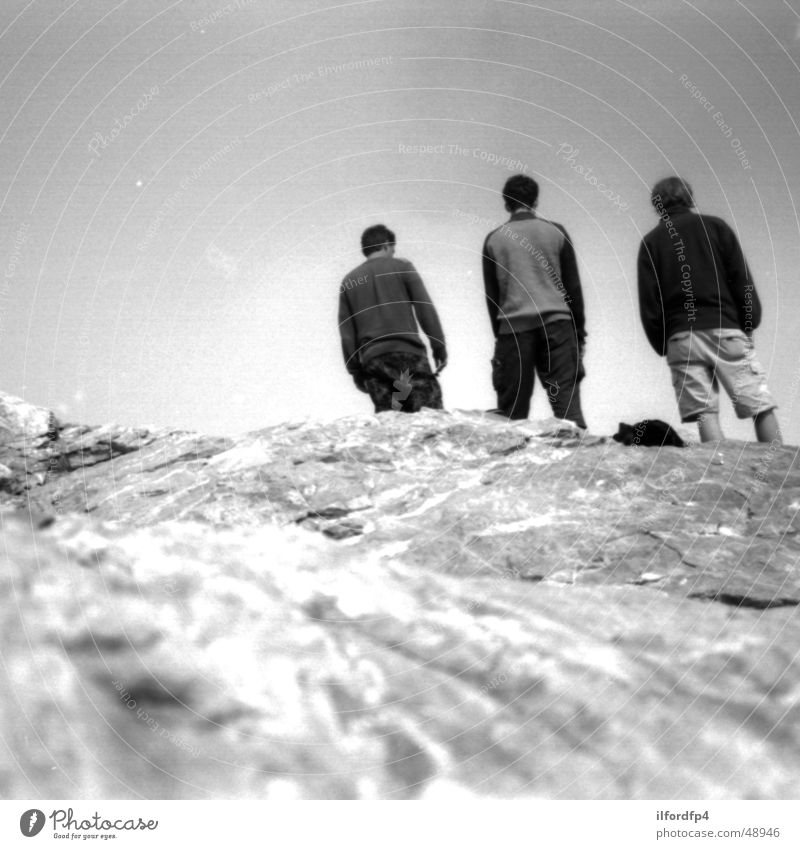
(650, 432)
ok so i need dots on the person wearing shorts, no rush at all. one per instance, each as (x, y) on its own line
(535, 302)
(699, 307)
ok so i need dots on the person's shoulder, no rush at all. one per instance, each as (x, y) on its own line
(542, 220)
(653, 234)
(556, 230)
(355, 278)
(715, 227)
(712, 221)
(492, 233)
(554, 224)
(358, 271)
(393, 265)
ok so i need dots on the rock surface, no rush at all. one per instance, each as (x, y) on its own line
(426, 606)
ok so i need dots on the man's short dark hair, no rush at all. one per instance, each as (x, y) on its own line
(520, 190)
(375, 238)
(671, 191)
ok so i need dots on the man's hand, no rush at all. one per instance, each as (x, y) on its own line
(440, 357)
(581, 353)
(360, 378)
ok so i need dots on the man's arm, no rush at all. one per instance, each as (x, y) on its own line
(571, 280)
(491, 286)
(651, 308)
(347, 330)
(740, 281)
(426, 314)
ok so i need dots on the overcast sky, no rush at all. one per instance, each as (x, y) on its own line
(183, 186)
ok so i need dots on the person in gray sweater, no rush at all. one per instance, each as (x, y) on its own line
(380, 303)
(535, 302)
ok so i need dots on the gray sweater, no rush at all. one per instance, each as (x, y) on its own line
(380, 302)
(531, 276)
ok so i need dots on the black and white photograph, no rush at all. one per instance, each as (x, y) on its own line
(400, 401)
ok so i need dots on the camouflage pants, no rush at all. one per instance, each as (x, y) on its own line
(403, 382)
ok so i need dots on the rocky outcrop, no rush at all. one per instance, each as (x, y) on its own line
(398, 607)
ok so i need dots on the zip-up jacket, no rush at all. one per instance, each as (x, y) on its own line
(530, 275)
(380, 303)
(692, 274)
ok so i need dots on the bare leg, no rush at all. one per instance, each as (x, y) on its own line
(708, 424)
(767, 427)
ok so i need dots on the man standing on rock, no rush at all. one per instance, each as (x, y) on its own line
(535, 302)
(699, 308)
(380, 303)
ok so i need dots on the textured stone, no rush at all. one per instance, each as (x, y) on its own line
(22, 420)
(382, 607)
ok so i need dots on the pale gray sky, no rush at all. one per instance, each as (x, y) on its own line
(183, 185)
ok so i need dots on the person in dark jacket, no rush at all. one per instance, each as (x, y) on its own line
(535, 303)
(380, 303)
(699, 308)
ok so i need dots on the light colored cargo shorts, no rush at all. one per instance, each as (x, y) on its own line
(702, 359)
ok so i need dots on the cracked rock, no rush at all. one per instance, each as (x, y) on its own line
(395, 607)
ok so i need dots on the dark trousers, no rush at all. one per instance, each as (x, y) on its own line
(553, 353)
(402, 382)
